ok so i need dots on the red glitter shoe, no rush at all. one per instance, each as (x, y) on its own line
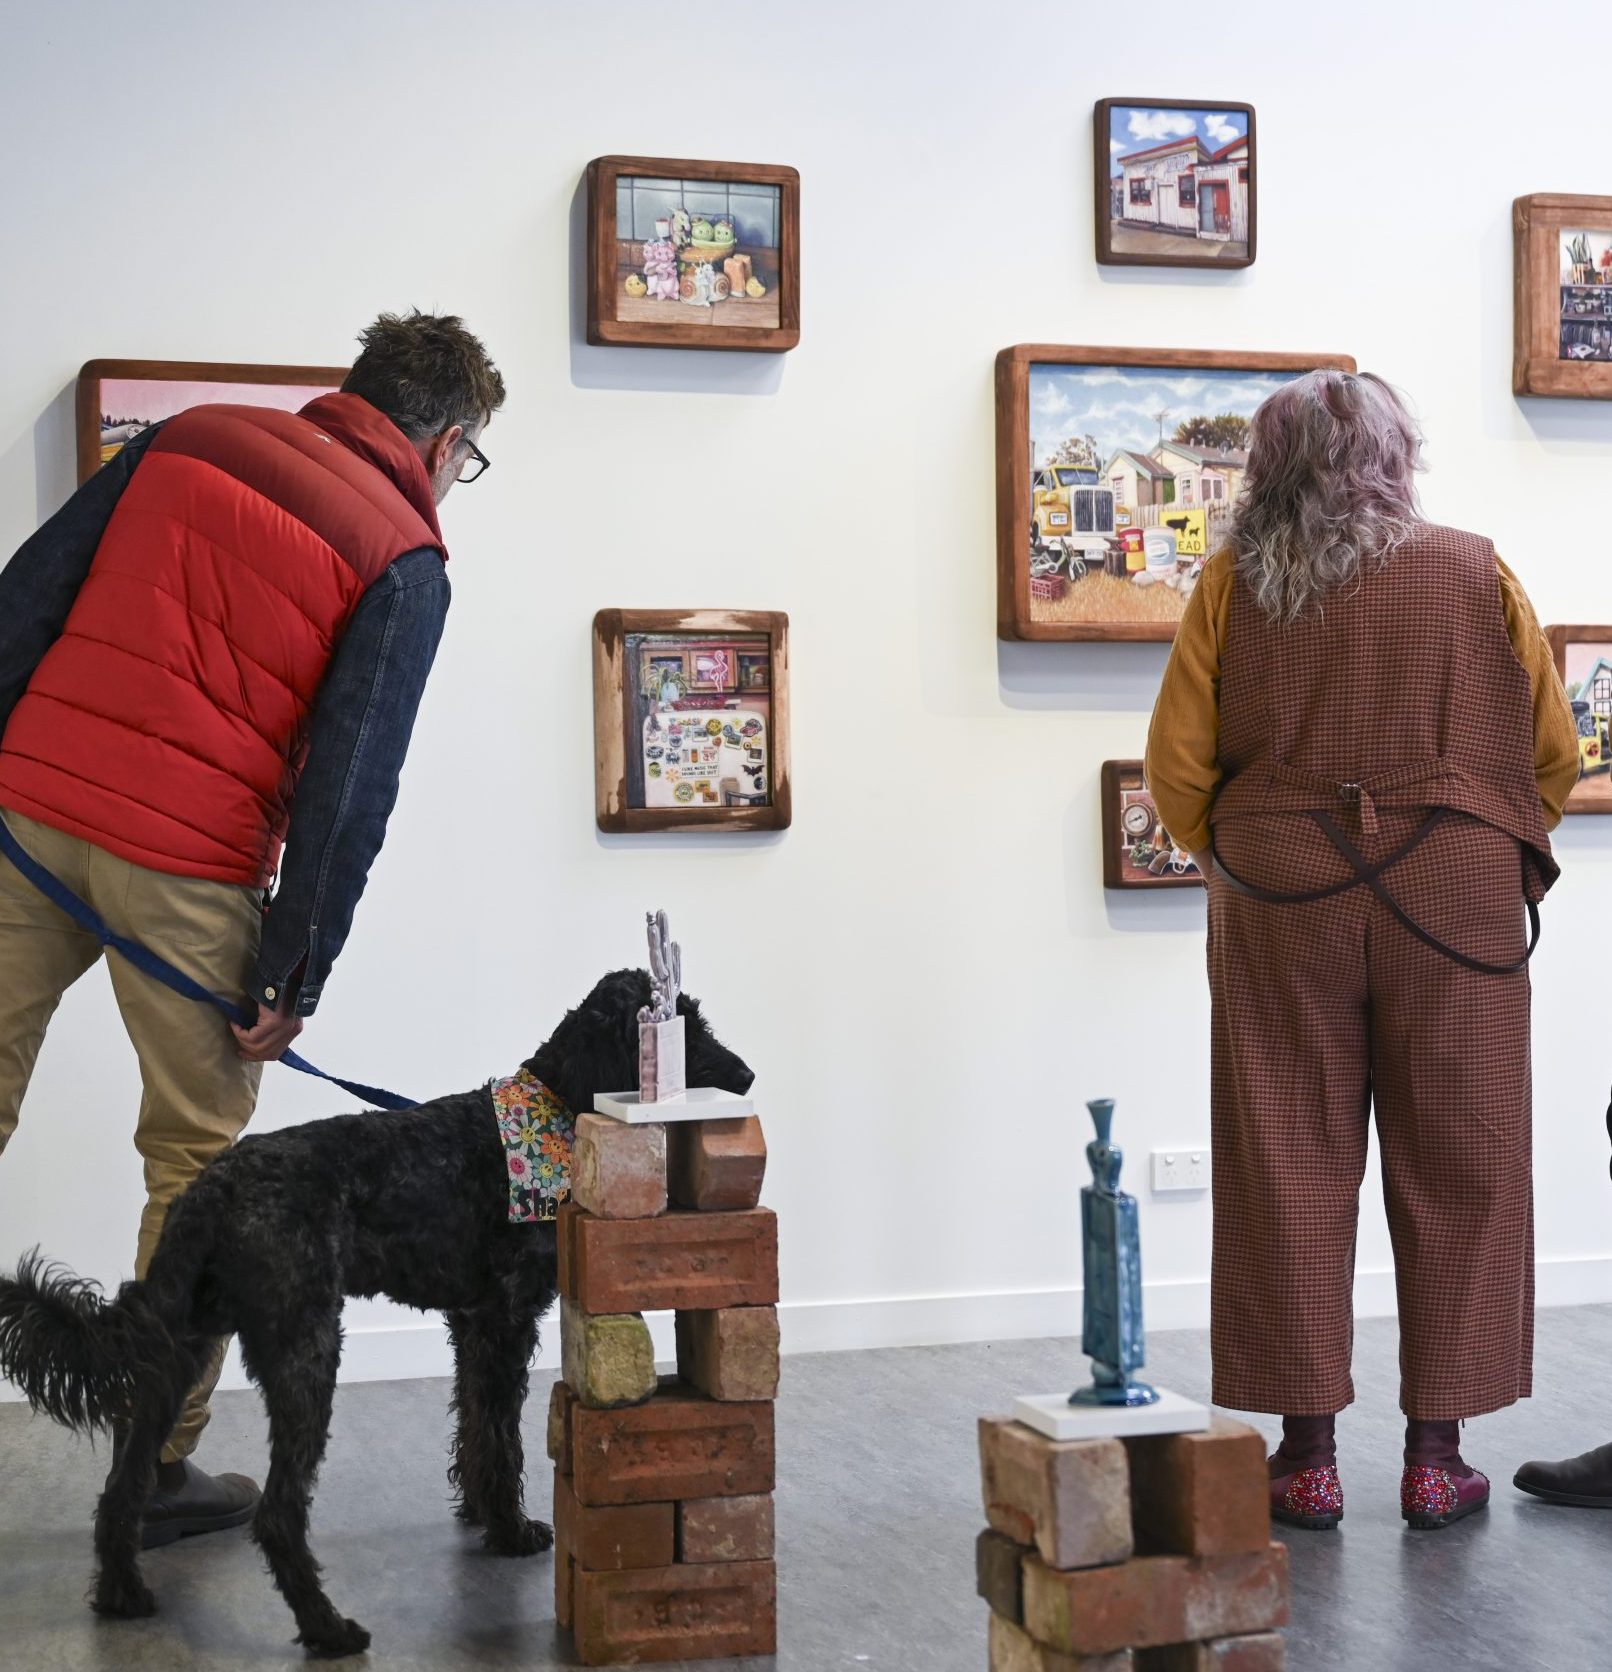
(1309, 1498)
(1430, 1498)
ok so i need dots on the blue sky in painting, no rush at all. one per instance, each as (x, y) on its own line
(1138, 127)
(1116, 404)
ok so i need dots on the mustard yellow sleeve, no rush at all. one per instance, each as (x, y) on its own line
(1556, 764)
(1183, 740)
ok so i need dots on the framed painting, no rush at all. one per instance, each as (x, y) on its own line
(1116, 473)
(1176, 183)
(1138, 852)
(692, 254)
(1584, 660)
(119, 398)
(1562, 301)
(691, 720)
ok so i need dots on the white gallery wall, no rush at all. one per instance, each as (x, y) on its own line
(925, 971)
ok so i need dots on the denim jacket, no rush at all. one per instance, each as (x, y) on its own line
(358, 738)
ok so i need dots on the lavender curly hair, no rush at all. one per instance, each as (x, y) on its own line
(1331, 488)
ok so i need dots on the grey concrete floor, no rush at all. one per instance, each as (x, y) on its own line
(878, 1506)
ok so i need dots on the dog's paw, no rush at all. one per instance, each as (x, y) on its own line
(123, 1598)
(526, 1538)
(342, 1637)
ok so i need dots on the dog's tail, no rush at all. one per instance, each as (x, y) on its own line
(77, 1356)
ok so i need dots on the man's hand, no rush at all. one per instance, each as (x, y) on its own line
(269, 1038)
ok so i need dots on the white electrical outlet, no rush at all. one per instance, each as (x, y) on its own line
(1178, 1170)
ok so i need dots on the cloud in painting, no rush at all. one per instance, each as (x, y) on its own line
(1118, 406)
(1219, 130)
(1115, 145)
(1161, 124)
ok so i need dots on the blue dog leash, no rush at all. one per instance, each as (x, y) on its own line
(159, 969)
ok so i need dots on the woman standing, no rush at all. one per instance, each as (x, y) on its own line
(1362, 736)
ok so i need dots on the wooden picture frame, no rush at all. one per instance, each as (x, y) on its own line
(768, 194)
(1175, 488)
(1144, 216)
(1561, 305)
(1584, 659)
(1125, 795)
(627, 720)
(193, 382)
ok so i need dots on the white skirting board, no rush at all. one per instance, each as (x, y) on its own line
(394, 1353)
(397, 1352)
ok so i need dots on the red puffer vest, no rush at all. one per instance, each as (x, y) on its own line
(168, 722)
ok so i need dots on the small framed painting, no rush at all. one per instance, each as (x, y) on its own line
(1175, 183)
(1562, 306)
(1116, 473)
(1584, 660)
(1138, 852)
(691, 720)
(692, 254)
(119, 398)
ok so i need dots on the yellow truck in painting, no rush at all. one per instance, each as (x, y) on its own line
(1071, 519)
(1594, 753)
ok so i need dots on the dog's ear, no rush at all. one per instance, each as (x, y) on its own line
(590, 1052)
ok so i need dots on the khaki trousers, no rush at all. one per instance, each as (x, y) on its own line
(197, 1094)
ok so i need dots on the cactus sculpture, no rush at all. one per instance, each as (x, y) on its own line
(665, 970)
(662, 1072)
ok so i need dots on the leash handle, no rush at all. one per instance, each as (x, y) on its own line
(159, 969)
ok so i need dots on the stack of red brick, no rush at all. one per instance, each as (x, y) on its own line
(1147, 1555)
(663, 1511)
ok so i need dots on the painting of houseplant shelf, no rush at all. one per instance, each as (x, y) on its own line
(1175, 184)
(1117, 473)
(1563, 303)
(693, 255)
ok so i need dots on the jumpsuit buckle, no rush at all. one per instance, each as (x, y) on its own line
(1349, 792)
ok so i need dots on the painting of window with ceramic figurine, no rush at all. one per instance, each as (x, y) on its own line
(1175, 184)
(1138, 852)
(692, 254)
(1117, 474)
(1584, 660)
(691, 720)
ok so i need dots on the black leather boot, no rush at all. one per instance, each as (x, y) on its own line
(187, 1500)
(1585, 1480)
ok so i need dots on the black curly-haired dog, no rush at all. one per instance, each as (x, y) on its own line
(266, 1243)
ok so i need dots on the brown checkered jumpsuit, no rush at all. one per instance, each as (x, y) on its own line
(1403, 696)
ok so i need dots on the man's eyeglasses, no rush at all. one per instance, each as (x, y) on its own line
(476, 465)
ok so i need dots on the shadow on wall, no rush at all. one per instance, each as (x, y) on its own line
(684, 371)
(1553, 420)
(55, 454)
(1083, 678)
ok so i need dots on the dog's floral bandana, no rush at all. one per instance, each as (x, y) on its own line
(538, 1131)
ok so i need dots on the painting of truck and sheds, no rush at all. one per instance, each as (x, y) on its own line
(1117, 472)
(1175, 184)
(1584, 660)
